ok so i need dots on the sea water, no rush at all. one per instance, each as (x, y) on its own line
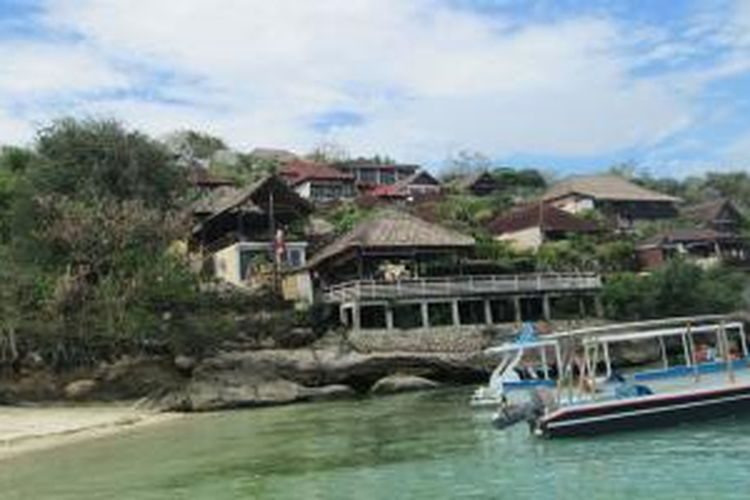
(422, 445)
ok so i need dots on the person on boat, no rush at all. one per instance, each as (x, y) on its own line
(702, 354)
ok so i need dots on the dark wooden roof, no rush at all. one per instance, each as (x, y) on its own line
(711, 211)
(254, 197)
(688, 235)
(479, 183)
(545, 216)
(299, 171)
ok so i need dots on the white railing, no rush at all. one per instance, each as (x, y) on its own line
(458, 286)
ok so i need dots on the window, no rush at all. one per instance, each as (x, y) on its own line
(387, 176)
(294, 258)
(368, 176)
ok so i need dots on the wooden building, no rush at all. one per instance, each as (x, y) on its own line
(241, 232)
(721, 215)
(705, 247)
(388, 241)
(368, 174)
(619, 199)
(378, 275)
(479, 184)
(419, 184)
(528, 226)
(318, 182)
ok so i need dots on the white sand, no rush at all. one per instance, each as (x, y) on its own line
(24, 429)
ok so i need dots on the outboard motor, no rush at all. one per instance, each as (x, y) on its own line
(511, 414)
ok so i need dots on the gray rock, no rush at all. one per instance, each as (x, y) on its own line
(220, 395)
(185, 363)
(327, 392)
(402, 383)
(79, 389)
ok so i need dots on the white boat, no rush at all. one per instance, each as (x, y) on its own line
(709, 377)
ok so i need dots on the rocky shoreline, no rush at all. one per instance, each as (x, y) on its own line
(248, 378)
(251, 376)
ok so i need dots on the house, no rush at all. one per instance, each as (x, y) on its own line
(721, 215)
(529, 226)
(318, 182)
(420, 183)
(620, 200)
(387, 240)
(382, 276)
(479, 184)
(368, 174)
(246, 234)
(706, 247)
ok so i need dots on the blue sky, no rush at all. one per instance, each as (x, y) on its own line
(565, 85)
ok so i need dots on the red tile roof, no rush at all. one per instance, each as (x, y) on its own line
(298, 171)
(547, 217)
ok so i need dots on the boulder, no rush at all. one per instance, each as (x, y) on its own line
(185, 363)
(393, 384)
(223, 394)
(80, 389)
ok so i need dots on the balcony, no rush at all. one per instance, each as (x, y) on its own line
(460, 286)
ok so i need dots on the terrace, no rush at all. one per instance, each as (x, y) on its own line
(460, 286)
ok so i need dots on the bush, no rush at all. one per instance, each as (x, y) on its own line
(679, 289)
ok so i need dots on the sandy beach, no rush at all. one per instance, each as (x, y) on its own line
(25, 429)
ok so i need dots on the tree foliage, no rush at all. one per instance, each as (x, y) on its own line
(679, 289)
(90, 221)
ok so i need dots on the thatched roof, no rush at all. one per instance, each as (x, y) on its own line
(711, 211)
(390, 228)
(606, 188)
(545, 216)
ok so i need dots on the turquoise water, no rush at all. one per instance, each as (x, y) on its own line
(427, 445)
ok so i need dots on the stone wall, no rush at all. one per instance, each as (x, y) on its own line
(443, 339)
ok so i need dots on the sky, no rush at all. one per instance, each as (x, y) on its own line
(570, 86)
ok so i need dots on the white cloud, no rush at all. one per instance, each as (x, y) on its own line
(427, 79)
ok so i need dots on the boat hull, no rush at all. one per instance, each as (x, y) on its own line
(645, 412)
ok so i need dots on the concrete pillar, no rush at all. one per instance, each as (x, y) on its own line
(546, 308)
(425, 315)
(388, 318)
(456, 313)
(517, 309)
(342, 314)
(598, 306)
(487, 312)
(356, 319)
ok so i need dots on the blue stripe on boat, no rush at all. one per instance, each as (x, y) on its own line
(683, 371)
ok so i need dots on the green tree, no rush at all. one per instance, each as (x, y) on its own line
(100, 158)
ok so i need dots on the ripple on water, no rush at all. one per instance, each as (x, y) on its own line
(425, 445)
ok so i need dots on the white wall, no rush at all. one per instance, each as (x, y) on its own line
(525, 239)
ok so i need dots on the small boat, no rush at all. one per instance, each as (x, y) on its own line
(706, 382)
